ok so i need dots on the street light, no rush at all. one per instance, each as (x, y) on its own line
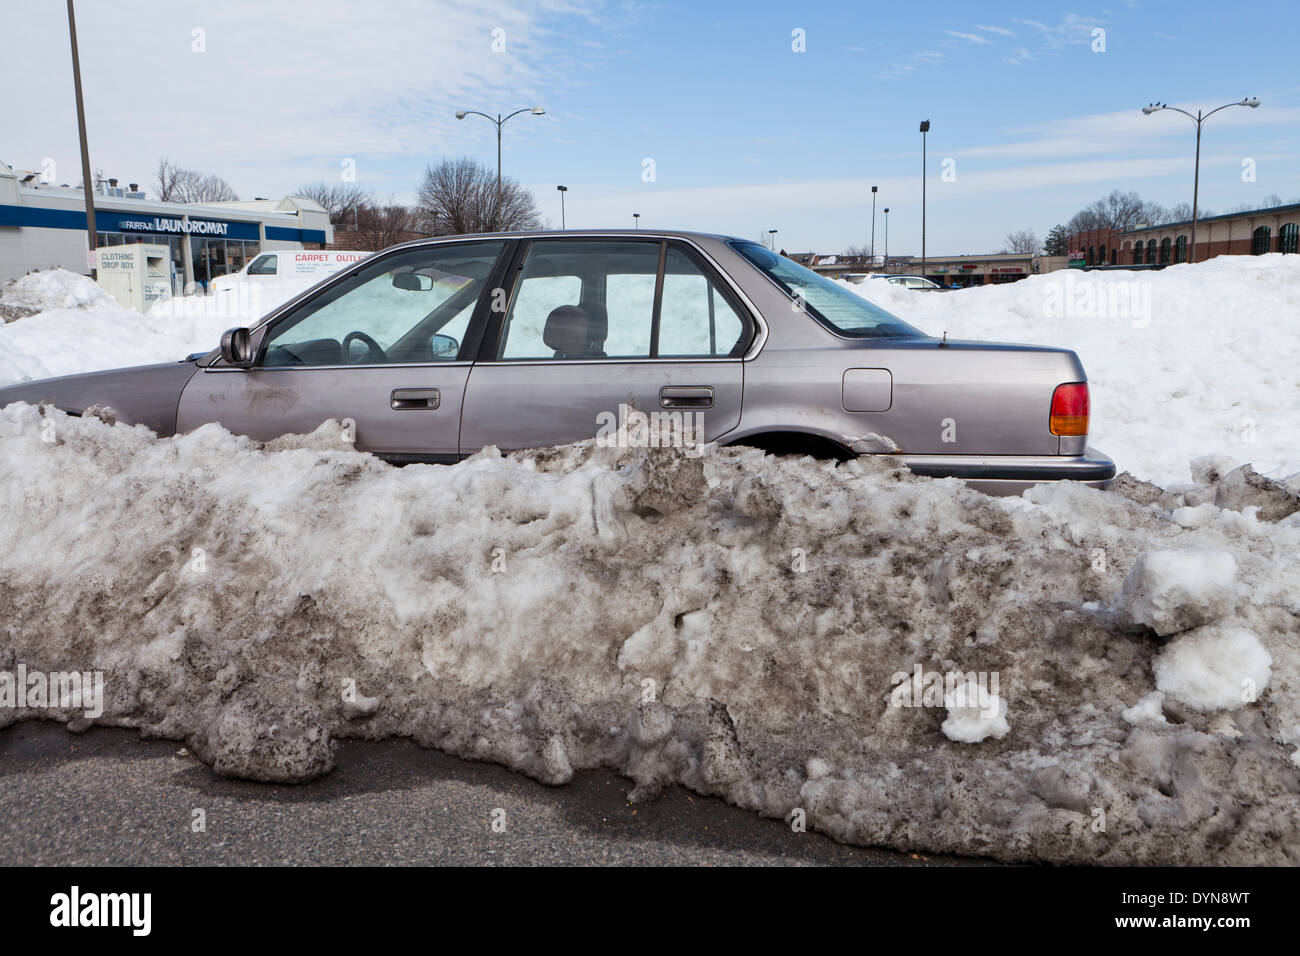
(886, 263)
(925, 128)
(563, 190)
(874, 189)
(1198, 119)
(636, 219)
(772, 233)
(500, 121)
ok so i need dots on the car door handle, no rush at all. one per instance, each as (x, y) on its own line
(686, 396)
(406, 398)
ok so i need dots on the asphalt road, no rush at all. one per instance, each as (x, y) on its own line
(106, 797)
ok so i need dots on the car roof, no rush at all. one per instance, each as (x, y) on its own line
(579, 233)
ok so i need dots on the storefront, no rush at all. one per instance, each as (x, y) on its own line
(42, 226)
(216, 248)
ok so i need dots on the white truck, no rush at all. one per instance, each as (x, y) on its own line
(310, 265)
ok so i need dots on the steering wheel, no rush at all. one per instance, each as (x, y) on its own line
(375, 352)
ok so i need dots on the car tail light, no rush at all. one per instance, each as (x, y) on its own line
(1069, 409)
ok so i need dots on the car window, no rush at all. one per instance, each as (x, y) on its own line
(582, 300)
(262, 266)
(401, 309)
(537, 296)
(830, 303)
(694, 318)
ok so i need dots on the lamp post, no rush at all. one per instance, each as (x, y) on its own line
(87, 187)
(874, 190)
(886, 263)
(500, 121)
(772, 234)
(636, 219)
(1198, 119)
(563, 190)
(925, 128)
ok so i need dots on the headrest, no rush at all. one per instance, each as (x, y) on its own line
(597, 325)
(566, 330)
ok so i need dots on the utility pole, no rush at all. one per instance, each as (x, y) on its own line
(87, 185)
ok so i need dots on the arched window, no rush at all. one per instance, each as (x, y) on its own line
(1151, 251)
(1102, 257)
(1092, 255)
(1180, 249)
(1164, 250)
(1114, 257)
(1260, 241)
(1288, 238)
(1137, 253)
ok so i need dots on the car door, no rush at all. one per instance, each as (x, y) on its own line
(597, 328)
(388, 347)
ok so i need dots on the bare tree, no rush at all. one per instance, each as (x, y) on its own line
(1024, 242)
(340, 200)
(380, 225)
(460, 196)
(176, 184)
(1122, 210)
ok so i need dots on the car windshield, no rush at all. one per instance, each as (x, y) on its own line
(828, 302)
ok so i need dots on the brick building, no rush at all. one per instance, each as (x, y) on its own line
(1235, 234)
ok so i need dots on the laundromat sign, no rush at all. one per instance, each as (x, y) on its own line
(197, 227)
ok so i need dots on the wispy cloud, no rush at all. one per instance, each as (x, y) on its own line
(971, 37)
(378, 94)
(1001, 31)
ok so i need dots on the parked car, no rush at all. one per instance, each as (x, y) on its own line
(920, 283)
(437, 348)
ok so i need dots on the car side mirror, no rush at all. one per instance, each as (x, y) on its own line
(237, 347)
(444, 346)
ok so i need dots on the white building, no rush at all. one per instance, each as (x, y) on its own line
(44, 225)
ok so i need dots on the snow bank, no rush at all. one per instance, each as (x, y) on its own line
(77, 327)
(730, 622)
(1186, 361)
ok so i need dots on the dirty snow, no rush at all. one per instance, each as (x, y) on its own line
(728, 622)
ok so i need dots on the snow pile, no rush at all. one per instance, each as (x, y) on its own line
(1172, 590)
(1186, 361)
(1214, 668)
(63, 323)
(732, 622)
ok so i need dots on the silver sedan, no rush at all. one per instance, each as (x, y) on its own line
(434, 349)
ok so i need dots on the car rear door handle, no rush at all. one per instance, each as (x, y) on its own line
(407, 398)
(686, 396)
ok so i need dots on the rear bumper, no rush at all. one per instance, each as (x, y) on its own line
(1012, 474)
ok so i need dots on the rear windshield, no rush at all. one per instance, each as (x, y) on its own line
(826, 301)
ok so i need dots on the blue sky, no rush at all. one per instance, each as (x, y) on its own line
(746, 134)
